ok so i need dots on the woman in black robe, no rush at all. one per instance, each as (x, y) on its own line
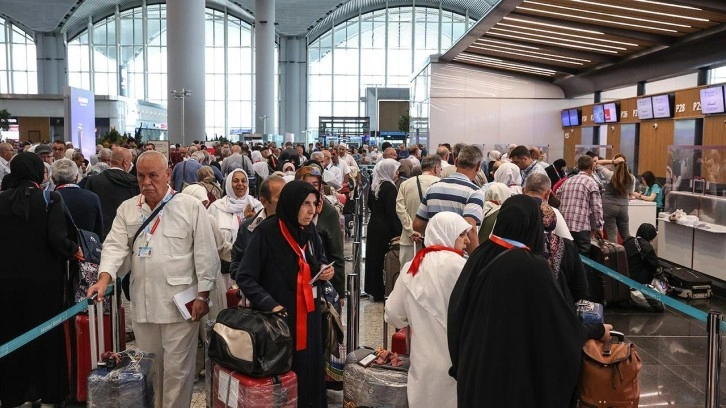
(271, 277)
(383, 225)
(32, 279)
(514, 340)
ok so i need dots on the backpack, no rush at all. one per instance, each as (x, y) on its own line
(609, 375)
(210, 192)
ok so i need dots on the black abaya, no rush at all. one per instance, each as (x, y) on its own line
(383, 226)
(513, 339)
(267, 275)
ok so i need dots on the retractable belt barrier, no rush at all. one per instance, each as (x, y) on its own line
(46, 326)
(652, 293)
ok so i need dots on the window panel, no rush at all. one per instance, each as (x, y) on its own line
(346, 88)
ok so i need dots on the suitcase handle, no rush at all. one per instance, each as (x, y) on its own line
(95, 327)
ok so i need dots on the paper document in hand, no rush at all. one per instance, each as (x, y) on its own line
(322, 268)
(184, 301)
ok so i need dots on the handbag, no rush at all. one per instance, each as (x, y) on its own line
(255, 343)
(126, 280)
(609, 375)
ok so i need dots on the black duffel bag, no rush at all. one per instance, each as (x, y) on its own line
(254, 343)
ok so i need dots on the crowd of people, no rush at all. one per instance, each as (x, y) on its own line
(475, 231)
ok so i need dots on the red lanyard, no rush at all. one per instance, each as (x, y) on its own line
(507, 243)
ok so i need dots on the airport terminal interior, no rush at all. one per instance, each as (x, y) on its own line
(565, 78)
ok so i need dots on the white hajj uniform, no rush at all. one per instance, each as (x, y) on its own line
(422, 301)
(183, 254)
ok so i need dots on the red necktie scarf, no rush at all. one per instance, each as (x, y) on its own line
(413, 269)
(304, 297)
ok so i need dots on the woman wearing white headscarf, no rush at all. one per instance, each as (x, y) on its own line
(384, 224)
(232, 209)
(495, 196)
(420, 300)
(509, 174)
(256, 156)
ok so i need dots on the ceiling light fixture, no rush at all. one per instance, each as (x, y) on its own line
(640, 10)
(489, 60)
(553, 25)
(545, 57)
(598, 20)
(485, 41)
(669, 5)
(580, 47)
(508, 68)
(598, 13)
(568, 35)
(557, 38)
(500, 47)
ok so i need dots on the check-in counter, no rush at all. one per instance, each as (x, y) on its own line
(701, 247)
(640, 212)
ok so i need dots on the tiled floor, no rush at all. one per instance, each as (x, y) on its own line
(672, 347)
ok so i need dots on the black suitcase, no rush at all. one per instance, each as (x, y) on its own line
(687, 283)
(392, 265)
(604, 289)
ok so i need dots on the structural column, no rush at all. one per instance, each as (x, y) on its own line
(52, 64)
(185, 62)
(293, 95)
(265, 122)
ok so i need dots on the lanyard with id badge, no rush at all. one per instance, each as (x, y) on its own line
(145, 250)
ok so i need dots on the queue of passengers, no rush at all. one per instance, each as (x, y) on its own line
(489, 249)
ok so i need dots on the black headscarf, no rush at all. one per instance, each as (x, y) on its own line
(291, 199)
(26, 170)
(520, 219)
(288, 156)
(647, 232)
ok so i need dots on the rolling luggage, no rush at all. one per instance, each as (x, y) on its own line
(589, 312)
(82, 351)
(401, 341)
(233, 390)
(391, 265)
(604, 289)
(687, 283)
(123, 379)
(374, 385)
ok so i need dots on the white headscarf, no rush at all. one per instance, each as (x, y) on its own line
(196, 191)
(443, 229)
(509, 174)
(495, 196)
(256, 156)
(494, 155)
(234, 204)
(385, 170)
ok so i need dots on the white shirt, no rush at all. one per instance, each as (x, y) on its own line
(349, 160)
(414, 161)
(445, 164)
(422, 302)
(183, 254)
(4, 168)
(337, 173)
(342, 165)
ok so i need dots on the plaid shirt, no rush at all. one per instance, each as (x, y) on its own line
(580, 203)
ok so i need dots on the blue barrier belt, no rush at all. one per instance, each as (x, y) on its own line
(41, 329)
(650, 292)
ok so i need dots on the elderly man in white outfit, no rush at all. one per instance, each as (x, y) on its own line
(176, 251)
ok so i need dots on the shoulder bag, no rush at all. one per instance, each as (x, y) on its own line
(255, 343)
(126, 280)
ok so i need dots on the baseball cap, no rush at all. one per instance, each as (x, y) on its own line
(40, 149)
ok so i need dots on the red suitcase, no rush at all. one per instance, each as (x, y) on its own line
(81, 359)
(401, 342)
(234, 297)
(231, 389)
(609, 291)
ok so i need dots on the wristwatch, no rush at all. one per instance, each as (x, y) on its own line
(203, 299)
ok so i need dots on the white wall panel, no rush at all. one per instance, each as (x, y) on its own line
(477, 106)
(671, 84)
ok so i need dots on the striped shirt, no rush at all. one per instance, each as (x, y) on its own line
(580, 203)
(455, 193)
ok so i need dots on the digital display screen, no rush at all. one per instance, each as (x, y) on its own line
(80, 120)
(645, 108)
(565, 117)
(574, 117)
(598, 114)
(610, 110)
(712, 100)
(662, 106)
